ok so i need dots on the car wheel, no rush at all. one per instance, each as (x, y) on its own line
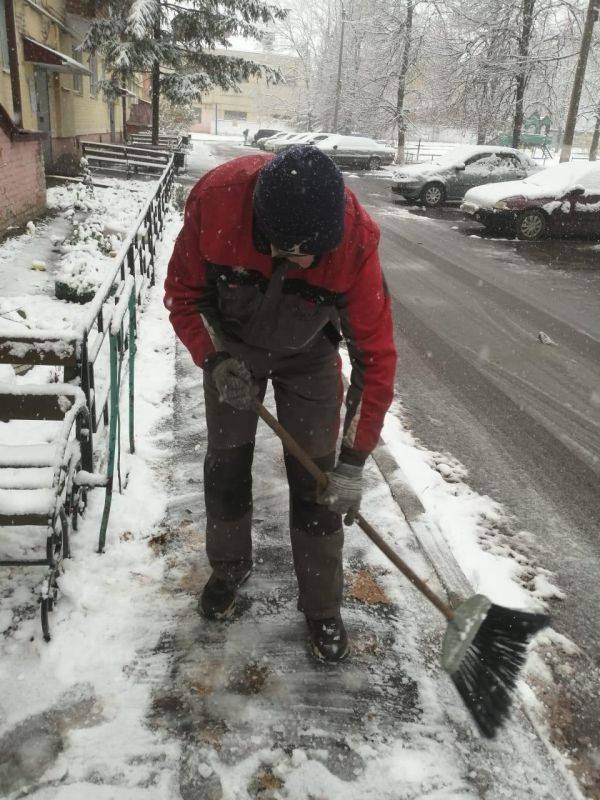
(532, 225)
(432, 195)
(374, 162)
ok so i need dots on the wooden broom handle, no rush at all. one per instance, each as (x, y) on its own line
(292, 446)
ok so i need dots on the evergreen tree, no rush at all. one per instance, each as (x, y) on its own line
(175, 42)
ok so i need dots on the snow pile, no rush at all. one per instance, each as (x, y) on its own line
(399, 212)
(101, 220)
(77, 245)
(493, 558)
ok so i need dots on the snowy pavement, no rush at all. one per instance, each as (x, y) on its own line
(138, 696)
(257, 717)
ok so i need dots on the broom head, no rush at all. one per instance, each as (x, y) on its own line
(484, 649)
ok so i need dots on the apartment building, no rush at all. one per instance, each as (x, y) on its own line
(258, 102)
(50, 99)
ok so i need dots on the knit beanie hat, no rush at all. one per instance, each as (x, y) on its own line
(299, 201)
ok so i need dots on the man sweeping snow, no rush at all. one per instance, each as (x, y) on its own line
(275, 258)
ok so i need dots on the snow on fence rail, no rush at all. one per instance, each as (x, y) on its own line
(52, 479)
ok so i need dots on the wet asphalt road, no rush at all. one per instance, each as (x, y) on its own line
(522, 416)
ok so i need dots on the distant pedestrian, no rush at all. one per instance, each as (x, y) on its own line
(275, 258)
(246, 132)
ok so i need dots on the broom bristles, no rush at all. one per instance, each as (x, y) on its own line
(490, 668)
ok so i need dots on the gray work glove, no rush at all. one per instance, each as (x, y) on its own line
(344, 490)
(234, 383)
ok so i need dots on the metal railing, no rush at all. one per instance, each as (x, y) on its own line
(123, 328)
(108, 330)
(54, 502)
(136, 258)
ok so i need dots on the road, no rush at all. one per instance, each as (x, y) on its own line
(522, 416)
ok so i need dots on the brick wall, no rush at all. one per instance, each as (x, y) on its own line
(22, 181)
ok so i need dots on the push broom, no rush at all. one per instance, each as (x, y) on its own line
(485, 645)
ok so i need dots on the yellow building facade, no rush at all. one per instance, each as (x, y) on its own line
(258, 103)
(58, 83)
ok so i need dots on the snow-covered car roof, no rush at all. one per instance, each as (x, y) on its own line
(458, 155)
(563, 176)
(352, 142)
(553, 182)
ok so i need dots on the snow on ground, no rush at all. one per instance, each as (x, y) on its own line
(137, 696)
(400, 212)
(224, 138)
(75, 726)
(101, 218)
(75, 243)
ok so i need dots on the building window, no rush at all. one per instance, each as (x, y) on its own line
(77, 79)
(93, 74)
(230, 114)
(3, 37)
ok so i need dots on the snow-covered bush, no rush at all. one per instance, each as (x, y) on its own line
(101, 218)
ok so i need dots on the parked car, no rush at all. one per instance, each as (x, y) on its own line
(263, 142)
(558, 201)
(262, 134)
(290, 141)
(275, 142)
(462, 168)
(354, 151)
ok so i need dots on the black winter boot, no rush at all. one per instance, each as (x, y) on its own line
(328, 639)
(218, 596)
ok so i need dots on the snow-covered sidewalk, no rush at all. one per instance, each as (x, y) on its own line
(138, 696)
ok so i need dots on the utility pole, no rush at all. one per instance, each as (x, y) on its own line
(586, 40)
(338, 88)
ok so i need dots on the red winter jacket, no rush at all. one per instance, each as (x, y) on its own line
(217, 265)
